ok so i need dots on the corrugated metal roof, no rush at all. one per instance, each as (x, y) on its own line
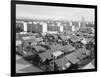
(73, 59)
(77, 55)
(45, 55)
(67, 48)
(75, 38)
(39, 48)
(57, 53)
(62, 61)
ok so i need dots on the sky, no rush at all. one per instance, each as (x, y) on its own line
(54, 12)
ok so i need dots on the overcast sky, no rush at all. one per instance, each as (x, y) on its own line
(45, 12)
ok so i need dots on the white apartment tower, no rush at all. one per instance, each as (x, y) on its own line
(25, 26)
(73, 28)
(61, 28)
(44, 27)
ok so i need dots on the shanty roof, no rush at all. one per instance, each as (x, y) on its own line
(62, 61)
(39, 39)
(75, 39)
(39, 48)
(64, 37)
(32, 39)
(45, 55)
(28, 37)
(82, 51)
(72, 58)
(77, 55)
(56, 47)
(18, 42)
(57, 53)
(67, 48)
(84, 41)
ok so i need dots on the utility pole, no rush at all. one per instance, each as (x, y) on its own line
(62, 62)
(53, 59)
(53, 64)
